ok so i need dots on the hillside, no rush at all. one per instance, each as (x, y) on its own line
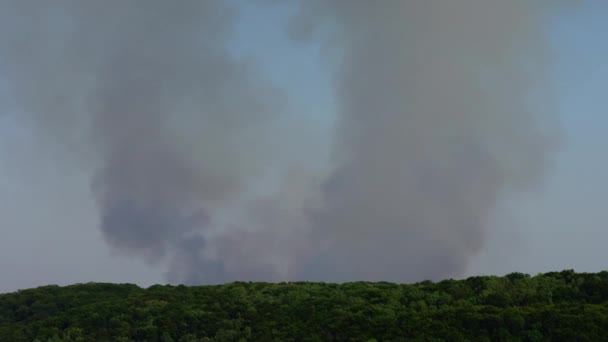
(561, 306)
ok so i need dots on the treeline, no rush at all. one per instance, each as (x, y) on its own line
(558, 306)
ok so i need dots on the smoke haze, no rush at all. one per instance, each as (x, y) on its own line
(434, 124)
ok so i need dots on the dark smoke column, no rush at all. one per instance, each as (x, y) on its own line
(434, 126)
(168, 121)
(171, 109)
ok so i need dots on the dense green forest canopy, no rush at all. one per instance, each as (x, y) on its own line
(557, 306)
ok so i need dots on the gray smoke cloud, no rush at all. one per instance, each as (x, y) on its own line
(435, 123)
(148, 96)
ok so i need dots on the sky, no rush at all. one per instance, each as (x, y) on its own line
(49, 219)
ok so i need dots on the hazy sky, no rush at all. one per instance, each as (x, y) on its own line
(49, 220)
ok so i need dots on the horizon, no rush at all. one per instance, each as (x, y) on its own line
(298, 282)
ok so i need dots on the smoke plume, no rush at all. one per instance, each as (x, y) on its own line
(173, 125)
(435, 122)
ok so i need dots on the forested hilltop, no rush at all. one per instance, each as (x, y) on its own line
(557, 306)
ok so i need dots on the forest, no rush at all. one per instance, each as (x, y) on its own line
(556, 306)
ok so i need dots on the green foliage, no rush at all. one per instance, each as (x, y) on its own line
(557, 306)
